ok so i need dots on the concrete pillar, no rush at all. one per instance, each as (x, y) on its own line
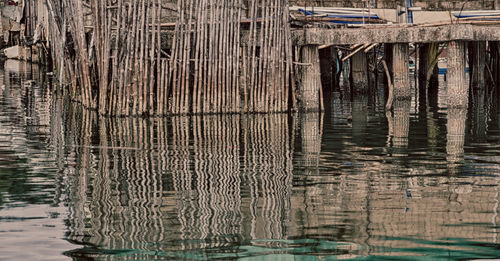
(359, 69)
(458, 91)
(310, 80)
(401, 72)
(477, 64)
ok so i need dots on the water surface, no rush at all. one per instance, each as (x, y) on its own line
(421, 183)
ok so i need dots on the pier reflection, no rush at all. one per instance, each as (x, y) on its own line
(181, 183)
(399, 127)
(480, 105)
(350, 183)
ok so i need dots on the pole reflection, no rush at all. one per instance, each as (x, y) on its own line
(238, 185)
(183, 182)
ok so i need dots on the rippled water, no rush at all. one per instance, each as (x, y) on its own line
(353, 183)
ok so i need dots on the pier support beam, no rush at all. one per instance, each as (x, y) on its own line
(310, 80)
(458, 91)
(477, 64)
(401, 72)
(359, 69)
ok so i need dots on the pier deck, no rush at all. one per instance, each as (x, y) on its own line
(396, 34)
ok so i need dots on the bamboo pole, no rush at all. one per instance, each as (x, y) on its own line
(208, 70)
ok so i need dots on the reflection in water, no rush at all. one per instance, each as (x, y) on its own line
(359, 118)
(350, 183)
(455, 136)
(478, 114)
(399, 126)
(185, 183)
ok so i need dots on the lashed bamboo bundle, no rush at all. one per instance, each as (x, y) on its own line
(121, 68)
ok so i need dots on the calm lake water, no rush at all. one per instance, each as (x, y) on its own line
(353, 183)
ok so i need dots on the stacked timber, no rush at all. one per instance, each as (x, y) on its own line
(115, 56)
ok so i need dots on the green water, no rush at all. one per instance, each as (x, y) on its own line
(354, 183)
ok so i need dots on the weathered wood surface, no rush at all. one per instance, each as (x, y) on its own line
(414, 34)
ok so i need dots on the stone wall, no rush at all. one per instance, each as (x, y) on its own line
(427, 4)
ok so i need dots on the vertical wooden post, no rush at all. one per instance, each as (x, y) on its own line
(477, 64)
(401, 71)
(359, 69)
(310, 82)
(458, 91)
